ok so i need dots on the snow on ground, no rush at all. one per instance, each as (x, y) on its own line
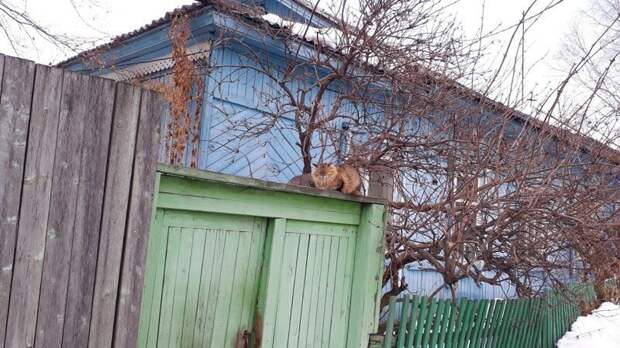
(600, 329)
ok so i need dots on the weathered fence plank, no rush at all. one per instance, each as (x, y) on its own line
(126, 113)
(35, 207)
(77, 170)
(63, 206)
(15, 102)
(96, 133)
(138, 223)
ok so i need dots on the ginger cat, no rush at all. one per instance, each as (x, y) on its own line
(344, 178)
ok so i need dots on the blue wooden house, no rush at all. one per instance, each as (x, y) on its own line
(235, 91)
(231, 93)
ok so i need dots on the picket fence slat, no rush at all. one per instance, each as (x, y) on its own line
(403, 322)
(481, 321)
(413, 321)
(389, 328)
(445, 323)
(436, 323)
(454, 312)
(420, 322)
(432, 309)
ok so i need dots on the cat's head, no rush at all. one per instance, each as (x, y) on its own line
(325, 171)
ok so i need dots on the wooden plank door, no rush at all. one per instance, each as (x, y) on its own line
(314, 285)
(202, 278)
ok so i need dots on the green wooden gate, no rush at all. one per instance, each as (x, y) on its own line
(236, 262)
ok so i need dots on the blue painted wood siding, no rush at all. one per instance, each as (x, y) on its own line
(424, 281)
(238, 97)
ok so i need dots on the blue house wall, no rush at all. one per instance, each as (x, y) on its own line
(238, 97)
(235, 95)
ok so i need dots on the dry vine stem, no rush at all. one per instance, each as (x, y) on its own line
(184, 95)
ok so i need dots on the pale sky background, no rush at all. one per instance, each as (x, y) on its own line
(97, 19)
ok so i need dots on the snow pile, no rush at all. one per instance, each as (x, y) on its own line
(601, 329)
(326, 36)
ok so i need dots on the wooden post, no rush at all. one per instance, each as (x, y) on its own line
(381, 183)
(367, 276)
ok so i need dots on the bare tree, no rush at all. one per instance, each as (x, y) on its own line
(25, 33)
(480, 190)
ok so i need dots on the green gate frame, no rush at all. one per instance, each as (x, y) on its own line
(201, 191)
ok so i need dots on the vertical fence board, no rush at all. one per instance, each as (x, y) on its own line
(488, 330)
(445, 323)
(508, 322)
(473, 321)
(83, 264)
(438, 320)
(36, 198)
(55, 277)
(465, 322)
(531, 321)
(15, 97)
(424, 303)
(525, 324)
(480, 323)
(404, 314)
(389, 329)
(430, 319)
(138, 223)
(122, 148)
(454, 314)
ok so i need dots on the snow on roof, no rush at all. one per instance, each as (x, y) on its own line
(326, 36)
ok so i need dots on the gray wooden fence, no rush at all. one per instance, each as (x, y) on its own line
(77, 163)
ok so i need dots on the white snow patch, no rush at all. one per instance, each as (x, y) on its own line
(600, 329)
(327, 36)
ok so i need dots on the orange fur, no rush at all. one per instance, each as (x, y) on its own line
(343, 178)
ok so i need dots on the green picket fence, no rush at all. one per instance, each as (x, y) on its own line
(422, 322)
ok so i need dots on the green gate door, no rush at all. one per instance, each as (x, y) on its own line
(202, 286)
(315, 286)
(235, 263)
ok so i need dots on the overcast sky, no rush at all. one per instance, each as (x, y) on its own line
(97, 19)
